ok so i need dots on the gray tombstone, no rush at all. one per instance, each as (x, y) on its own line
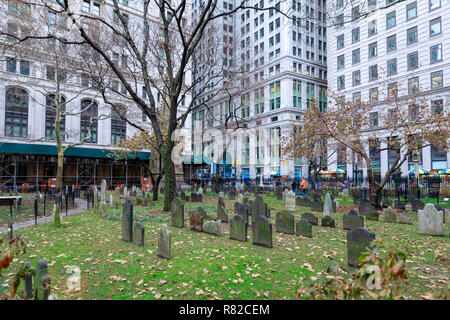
(138, 234)
(164, 242)
(358, 241)
(290, 201)
(212, 227)
(417, 205)
(328, 206)
(356, 194)
(196, 222)
(221, 211)
(262, 232)
(242, 210)
(299, 201)
(431, 221)
(28, 281)
(328, 221)
(303, 228)
(42, 281)
(389, 215)
(317, 205)
(365, 208)
(103, 191)
(311, 218)
(177, 210)
(284, 222)
(127, 221)
(238, 228)
(352, 220)
(402, 219)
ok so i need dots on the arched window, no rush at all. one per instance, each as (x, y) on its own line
(118, 125)
(16, 112)
(89, 110)
(50, 117)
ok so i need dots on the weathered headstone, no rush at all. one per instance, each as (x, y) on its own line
(317, 205)
(196, 222)
(311, 218)
(365, 208)
(221, 211)
(177, 210)
(242, 210)
(28, 281)
(328, 206)
(103, 191)
(238, 228)
(352, 220)
(356, 194)
(42, 281)
(262, 232)
(358, 240)
(279, 192)
(417, 205)
(138, 234)
(164, 242)
(307, 202)
(431, 221)
(303, 228)
(328, 221)
(299, 201)
(400, 205)
(389, 215)
(127, 221)
(402, 219)
(290, 201)
(284, 222)
(212, 227)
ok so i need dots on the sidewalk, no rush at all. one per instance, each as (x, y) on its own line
(80, 206)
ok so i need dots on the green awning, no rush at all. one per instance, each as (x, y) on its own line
(42, 149)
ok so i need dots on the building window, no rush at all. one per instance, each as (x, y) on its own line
(373, 94)
(340, 41)
(341, 82)
(118, 125)
(411, 35)
(356, 56)
(390, 20)
(411, 10)
(373, 50)
(437, 79)
(355, 35)
(436, 53)
(16, 113)
(434, 4)
(340, 62)
(392, 67)
(437, 106)
(435, 27)
(89, 113)
(413, 60)
(356, 77)
(373, 72)
(50, 117)
(413, 85)
(391, 43)
(11, 65)
(392, 90)
(373, 119)
(357, 97)
(372, 28)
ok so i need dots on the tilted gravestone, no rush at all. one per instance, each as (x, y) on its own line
(329, 222)
(42, 281)
(328, 206)
(221, 211)
(303, 228)
(258, 208)
(351, 220)
(284, 222)
(389, 215)
(311, 218)
(358, 240)
(138, 234)
(242, 210)
(177, 210)
(431, 221)
(417, 205)
(317, 205)
(238, 228)
(402, 219)
(127, 221)
(212, 227)
(290, 201)
(262, 232)
(164, 242)
(365, 208)
(196, 222)
(400, 205)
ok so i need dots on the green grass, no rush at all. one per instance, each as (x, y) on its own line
(209, 267)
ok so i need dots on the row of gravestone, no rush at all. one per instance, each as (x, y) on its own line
(42, 288)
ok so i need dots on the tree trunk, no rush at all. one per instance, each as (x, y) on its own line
(374, 190)
(59, 176)
(169, 177)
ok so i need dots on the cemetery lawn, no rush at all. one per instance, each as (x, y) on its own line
(25, 211)
(208, 267)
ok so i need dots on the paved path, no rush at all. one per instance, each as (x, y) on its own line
(80, 206)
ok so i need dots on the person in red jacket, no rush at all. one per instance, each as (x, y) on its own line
(303, 187)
